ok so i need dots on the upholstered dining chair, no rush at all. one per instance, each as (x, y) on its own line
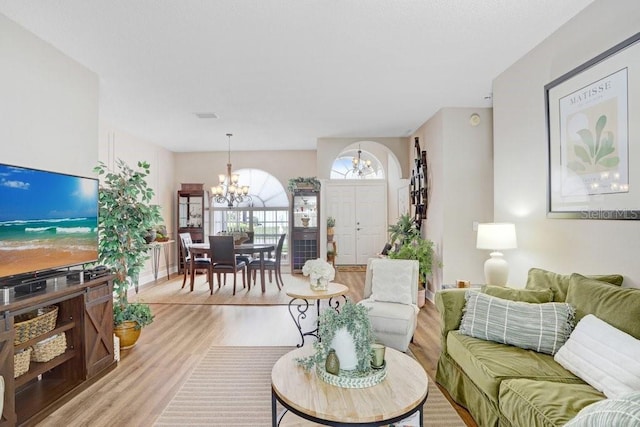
(272, 265)
(199, 263)
(391, 295)
(224, 261)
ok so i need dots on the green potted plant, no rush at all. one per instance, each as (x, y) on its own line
(331, 222)
(352, 319)
(304, 183)
(421, 250)
(403, 231)
(125, 215)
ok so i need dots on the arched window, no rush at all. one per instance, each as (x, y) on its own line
(266, 214)
(356, 164)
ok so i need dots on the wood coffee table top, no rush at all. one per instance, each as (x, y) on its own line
(401, 393)
(304, 291)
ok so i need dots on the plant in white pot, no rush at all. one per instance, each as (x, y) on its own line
(349, 333)
(125, 217)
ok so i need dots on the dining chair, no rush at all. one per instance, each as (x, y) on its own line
(272, 265)
(224, 261)
(199, 263)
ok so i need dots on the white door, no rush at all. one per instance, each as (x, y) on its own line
(360, 210)
(371, 221)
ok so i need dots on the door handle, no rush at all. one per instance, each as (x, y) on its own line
(357, 229)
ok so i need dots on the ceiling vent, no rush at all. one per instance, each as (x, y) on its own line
(207, 115)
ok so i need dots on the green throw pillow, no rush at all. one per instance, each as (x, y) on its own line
(536, 296)
(619, 307)
(540, 327)
(559, 283)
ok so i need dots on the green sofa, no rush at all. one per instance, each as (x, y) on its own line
(503, 385)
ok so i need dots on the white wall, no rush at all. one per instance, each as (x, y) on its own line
(48, 105)
(561, 245)
(115, 144)
(459, 158)
(49, 119)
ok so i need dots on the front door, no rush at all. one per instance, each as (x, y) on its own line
(360, 210)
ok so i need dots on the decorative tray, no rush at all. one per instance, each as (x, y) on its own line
(353, 379)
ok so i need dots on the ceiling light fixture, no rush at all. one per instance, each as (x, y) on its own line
(361, 168)
(228, 191)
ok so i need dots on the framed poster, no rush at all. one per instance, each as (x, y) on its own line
(593, 129)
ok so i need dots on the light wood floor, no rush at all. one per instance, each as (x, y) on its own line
(150, 374)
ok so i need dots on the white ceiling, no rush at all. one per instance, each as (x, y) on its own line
(282, 73)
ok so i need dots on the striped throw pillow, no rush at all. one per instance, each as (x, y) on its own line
(622, 411)
(540, 327)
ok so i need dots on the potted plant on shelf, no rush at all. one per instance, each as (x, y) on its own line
(304, 183)
(421, 250)
(331, 222)
(125, 215)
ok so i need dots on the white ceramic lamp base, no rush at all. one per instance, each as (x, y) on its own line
(496, 270)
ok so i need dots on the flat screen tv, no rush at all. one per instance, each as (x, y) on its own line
(48, 221)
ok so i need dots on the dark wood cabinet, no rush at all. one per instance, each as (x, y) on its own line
(191, 217)
(85, 316)
(305, 228)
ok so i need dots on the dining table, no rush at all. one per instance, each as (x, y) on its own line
(244, 248)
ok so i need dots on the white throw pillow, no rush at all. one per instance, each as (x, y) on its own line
(389, 284)
(602, 356)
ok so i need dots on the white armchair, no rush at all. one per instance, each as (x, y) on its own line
(391, 295)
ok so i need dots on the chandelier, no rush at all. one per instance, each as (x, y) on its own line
(361, 168)
(228, 191)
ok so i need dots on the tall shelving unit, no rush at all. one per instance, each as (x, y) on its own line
(305, 227)
(191, 216)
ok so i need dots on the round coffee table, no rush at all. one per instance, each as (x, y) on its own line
(305, 294)
(401, 394)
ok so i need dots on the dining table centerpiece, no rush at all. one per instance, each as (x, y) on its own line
(320, 273)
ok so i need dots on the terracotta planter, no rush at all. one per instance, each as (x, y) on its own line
(128, 334)
(330, 233)
(422, 296)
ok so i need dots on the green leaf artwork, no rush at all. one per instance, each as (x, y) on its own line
(598, 151)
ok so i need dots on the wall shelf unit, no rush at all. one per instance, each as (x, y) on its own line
(305, 230)
(192, 203)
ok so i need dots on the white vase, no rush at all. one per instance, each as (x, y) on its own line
(345, 349)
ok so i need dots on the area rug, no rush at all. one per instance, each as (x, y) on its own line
(171, 292)
(231, 386)
(356, 268)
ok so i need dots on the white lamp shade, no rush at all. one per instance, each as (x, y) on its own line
(496, 236)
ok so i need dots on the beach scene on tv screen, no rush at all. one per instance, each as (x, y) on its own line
(47, 220)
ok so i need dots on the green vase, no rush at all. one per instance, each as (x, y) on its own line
(332, 365)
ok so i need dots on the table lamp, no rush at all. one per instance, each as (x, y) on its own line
(496, 236)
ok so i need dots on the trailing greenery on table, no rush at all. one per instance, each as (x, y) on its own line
(355, 319)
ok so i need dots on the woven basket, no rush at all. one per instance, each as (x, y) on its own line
(21, 362)
(33, 324)
(48, 349)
